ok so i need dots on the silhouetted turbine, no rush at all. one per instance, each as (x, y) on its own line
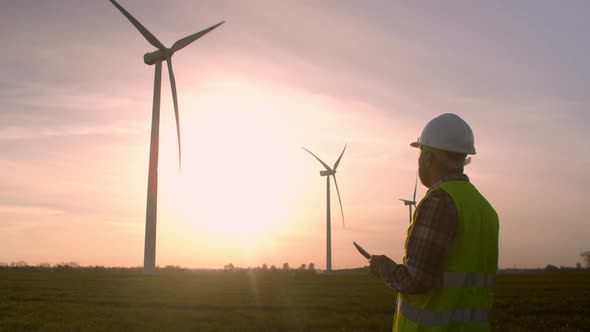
(327, 173)
(412, 202)
(161, 54)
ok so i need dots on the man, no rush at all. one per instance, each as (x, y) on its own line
(449, 267)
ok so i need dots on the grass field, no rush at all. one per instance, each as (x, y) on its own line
(124, 301)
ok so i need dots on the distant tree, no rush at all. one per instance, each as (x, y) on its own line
(229, 267)
(44, 266)
(286, 266)
(586, 256)
(66, 267)
(273, 268)
(311, 267)
(551, 268)
(19, 264)
(578, 266)
(264, 267)
(303, 267)
(72, 265)
(172, 268)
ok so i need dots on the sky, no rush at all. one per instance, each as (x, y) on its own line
(75, 117)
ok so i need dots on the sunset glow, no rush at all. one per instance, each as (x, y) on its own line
(76, 112)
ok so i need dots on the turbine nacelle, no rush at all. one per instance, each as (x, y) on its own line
(327, 172)
(157, 55)
(408, 202)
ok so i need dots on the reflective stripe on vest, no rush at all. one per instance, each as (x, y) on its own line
(442, 318)
(467, 279)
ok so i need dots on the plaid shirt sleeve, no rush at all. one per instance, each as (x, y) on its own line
(435, 225)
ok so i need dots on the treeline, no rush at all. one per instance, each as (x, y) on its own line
(75, 267)
(578, 267)
(22, 266)
(303, 268)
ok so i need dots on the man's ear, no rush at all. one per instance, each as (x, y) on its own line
(427, 157)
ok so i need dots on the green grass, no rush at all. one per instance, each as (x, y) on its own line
(551, 301)
(119, 301)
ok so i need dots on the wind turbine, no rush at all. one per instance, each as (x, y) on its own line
(413, 201)
(161, 54)
(327, 173)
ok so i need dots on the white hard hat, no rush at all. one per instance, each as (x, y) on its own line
(447, 132)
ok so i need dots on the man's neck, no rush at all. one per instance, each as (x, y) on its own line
(447, 177)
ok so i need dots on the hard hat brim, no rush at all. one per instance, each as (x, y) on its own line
(465, 163)
(417, 145)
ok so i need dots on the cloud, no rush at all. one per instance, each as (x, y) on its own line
(23, 133)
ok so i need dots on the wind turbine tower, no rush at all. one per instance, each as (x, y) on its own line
(156, 57)
(327, 173)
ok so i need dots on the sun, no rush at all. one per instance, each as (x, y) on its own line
(238, 177)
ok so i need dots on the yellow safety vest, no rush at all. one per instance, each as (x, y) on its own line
(464, 300)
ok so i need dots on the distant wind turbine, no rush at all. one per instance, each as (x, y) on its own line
(412, 202)
(161, 54)
(327, 173)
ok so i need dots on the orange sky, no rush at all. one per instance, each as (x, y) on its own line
(75, 117)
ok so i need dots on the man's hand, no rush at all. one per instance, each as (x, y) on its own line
(380, 264)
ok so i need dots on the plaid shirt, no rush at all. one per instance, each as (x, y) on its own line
(435, 224)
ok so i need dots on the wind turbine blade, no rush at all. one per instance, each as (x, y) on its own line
(339, 201)
(415, 187)
(175, 101)
(316, 157)
(338, 161)
(182, 43)
(145, 32)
